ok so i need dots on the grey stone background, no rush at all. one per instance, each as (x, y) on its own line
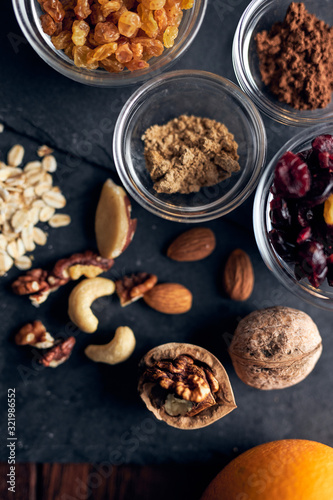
(88, 412)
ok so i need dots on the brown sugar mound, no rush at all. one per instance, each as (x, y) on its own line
(296, 59)
(188, 153)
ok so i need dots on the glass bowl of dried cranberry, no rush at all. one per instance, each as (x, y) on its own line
(110, 43)
(293, 215)
(283, 59)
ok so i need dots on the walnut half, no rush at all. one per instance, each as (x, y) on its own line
(185, 385)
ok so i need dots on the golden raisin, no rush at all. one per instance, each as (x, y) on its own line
(149, 25)
(96, 15)
(161, 19)
(55, 9)
(80, 31)
(124, 53)
(110, 7)
(62, 40)
(112, 65)
(101, 52)
(186, 4)
(169, 36)
(82, 9)
(129, 23)
(106, 32)
(154, 4)
(48, 25)
(137, 64)
(81, 57)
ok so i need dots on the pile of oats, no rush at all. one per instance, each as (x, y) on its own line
(27, 197)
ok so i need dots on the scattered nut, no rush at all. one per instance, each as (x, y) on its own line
(275, 348)
(118, 350)
(185, 385)
(38, 284)
(169, 298)
(131, 288)
(195, 244)
(238, 276)
(34, 334)
(81, 299)
(59, 353)
(113, 224)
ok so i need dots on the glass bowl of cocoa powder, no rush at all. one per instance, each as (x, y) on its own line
(197, 100)
(287, 71)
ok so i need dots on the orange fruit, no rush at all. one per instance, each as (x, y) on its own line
(291, 469)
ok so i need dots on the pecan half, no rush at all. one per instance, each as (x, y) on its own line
(34, 334)
(33, 281)
(185, 378)
(132, 288)
(38, 284)
(88, 264)
(59, 353)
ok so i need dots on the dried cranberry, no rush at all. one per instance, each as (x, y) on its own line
(304, 235)
(304, 155)
(323, 143)
(304, 215)
(325, 160)
(312, 260)
(282, 247)
(292, 176)
(279, 213)
(321, 188)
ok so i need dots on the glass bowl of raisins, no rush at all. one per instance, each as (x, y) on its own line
(283, 57)
(198, 95)
(293, 215)
(109, 43)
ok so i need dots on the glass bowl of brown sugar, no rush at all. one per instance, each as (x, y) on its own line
(191, 97)
(295, 77)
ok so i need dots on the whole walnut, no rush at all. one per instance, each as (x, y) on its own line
(275, 348)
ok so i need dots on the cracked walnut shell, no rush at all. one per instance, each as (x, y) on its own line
(188, 379)
(275, 348)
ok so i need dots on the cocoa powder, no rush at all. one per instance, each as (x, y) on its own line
(296, 59)
(188, 153)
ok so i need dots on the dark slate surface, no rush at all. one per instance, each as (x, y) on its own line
(83, 411)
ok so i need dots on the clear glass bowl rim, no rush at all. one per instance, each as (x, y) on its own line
(302, 290)
(273, 110)
(105, 79)
(188, 214)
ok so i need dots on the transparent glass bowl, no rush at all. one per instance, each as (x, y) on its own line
(28, 12)
(284, 271)
(193, 93)
(261, 15)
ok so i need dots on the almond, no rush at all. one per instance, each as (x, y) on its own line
(169, 298)
(194, 244)
(238, 276)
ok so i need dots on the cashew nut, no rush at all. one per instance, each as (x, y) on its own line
(118, 350)
(81, 298)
